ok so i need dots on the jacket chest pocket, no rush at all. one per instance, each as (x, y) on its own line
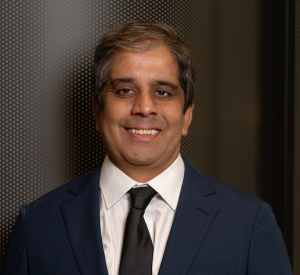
(212, 269)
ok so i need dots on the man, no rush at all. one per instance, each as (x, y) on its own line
(157, 215)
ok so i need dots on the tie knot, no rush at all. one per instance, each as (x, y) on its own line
(141, 197)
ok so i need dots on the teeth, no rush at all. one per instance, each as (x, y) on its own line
(143, 132)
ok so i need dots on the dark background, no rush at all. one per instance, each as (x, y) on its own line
(246, 125)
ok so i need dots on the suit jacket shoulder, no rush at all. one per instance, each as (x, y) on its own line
(219, 229)
(66, 191)
(223, 193)
(59, 233)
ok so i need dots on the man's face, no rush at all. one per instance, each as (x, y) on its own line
(142, 118)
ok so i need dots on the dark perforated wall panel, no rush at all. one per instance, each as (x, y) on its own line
(296, 254)
(47, 128)
(224, 132)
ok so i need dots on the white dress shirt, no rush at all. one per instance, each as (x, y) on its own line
(115, 205)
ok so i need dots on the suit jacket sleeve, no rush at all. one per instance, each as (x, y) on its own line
(267, 253)
(15, 259)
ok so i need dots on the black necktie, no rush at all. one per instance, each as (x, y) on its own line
(137, 252)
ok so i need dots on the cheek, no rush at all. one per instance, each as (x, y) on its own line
(174, 117)
(116, 109)
(111, 120)
(109, 115)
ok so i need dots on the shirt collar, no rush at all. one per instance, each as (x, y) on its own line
(114, 183)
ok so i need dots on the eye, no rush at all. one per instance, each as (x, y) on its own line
(125, 92)
(162, 93)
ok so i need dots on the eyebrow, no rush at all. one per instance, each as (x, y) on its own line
(167, 83)
(122, 80)
(131, 80)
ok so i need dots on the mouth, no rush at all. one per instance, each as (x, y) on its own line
(142, 132)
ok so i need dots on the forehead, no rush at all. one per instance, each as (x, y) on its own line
(158, 61)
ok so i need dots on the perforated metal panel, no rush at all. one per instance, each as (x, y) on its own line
(223, 139)
(296, 254)
(47, 127)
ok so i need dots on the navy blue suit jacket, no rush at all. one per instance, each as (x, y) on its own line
(217, 229)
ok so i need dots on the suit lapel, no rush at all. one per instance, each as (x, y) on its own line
(81, 215)
(194, 214)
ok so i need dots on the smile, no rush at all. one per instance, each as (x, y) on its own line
(143, 132)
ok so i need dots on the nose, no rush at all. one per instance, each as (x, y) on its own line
(144, 104)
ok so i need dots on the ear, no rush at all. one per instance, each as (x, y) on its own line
(97, 115)
(187, 119)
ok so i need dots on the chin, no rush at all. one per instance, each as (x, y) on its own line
(141, 160)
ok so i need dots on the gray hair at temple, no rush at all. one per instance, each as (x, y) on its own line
(142, 35)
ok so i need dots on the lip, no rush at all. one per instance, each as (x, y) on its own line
(143, 128)
(141, 137)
